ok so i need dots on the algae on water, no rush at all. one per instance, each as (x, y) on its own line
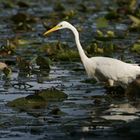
(38, 100)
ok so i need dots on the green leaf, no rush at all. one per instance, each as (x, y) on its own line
(136, 48)
(136, 21)
(101, 22)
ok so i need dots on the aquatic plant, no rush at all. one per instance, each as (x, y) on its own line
(38, 100)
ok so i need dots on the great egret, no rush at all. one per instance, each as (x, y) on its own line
(103, 69)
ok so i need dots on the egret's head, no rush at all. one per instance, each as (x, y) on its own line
(61, 25)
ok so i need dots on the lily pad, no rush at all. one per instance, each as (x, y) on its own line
(52, 94)
(136, 48)
(38, 100)
(68, 55)
(27, 103)
(102, 22)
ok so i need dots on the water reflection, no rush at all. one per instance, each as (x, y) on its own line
(123, 111)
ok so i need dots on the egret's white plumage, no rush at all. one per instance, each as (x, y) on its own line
(103, 69)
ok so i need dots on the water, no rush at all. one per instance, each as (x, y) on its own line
(88, 112)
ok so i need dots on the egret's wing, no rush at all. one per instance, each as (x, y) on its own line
(114, 69)
(135, 64)
(108, 70)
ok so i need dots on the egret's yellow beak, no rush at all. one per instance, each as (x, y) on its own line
(52, 30)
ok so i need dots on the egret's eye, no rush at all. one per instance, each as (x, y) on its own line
(60, 25)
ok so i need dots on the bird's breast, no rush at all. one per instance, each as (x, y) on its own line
(90, 69)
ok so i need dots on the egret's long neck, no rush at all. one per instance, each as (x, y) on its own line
(80, 49)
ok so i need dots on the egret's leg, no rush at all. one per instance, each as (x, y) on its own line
(110, 82)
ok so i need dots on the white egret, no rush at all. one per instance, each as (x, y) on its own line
(103, 69)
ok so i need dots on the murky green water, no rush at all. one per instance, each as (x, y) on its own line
(88, 112)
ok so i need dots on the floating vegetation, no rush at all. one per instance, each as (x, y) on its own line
(132, 5)
(90, 110)
(43, 63)
(22, 18)
(60, 12)
(108, 35)
(38, 100)
(7, 71)
(65, 15)
(126, 7)
(12, 44)
(23, 21)
(96, 48)
(93, 48)
(27, 103)
(68, 14)
(60, 52)
(23, 64)
(136, 47)
(49, 23)
(122, 9)
(7, 49)
(52, 94)
(136, 23)
(101, 22)
(68, 55)
(59, 7)
(99, 33)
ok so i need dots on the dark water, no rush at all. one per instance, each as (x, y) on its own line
(89, 112)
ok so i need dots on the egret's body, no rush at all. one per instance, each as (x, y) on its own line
(103, 69)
